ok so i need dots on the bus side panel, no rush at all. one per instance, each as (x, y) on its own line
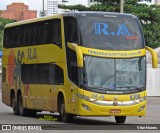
(8, 75)
(5, 89)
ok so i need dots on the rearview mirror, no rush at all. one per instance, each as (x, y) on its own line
(154, 57)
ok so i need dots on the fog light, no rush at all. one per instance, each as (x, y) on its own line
(85, 107)
(141, 108)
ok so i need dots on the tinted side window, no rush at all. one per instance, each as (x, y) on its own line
(6, 38)
(74, 72)
(70, 28)
(43, 32)
(25, 37)
(55, 36)
(39, 33)
(42, 74)
(18, 37)
(44, 70)
(13, 38)
(3, 74)
(34, 74)
(59, 77)
(25, 73)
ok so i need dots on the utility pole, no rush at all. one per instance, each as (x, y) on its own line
(43, 14)
(121, 6)
(89, 3)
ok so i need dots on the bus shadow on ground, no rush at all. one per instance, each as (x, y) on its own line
(76, 120)
(55, 117)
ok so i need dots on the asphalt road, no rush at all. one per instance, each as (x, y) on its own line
(152, 117)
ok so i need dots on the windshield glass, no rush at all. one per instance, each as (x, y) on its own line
(115, 74)
(112, 33)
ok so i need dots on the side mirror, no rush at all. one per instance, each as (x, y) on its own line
(154, 57)
(78, 51)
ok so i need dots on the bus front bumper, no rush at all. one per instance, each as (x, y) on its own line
(87, 108)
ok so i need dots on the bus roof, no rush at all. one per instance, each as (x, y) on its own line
(66, 14)
(32, 20)
(99, 12)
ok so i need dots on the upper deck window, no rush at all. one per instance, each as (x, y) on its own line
(37, 33)
(110, 32)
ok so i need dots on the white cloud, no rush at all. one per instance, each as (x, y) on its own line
(73, 2)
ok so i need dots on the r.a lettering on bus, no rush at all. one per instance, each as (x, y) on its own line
(32, 54)
(102, 28)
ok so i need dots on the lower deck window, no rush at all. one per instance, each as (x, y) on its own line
(42, 74)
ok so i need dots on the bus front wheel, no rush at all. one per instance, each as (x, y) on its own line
(120, 119)
(65, 116)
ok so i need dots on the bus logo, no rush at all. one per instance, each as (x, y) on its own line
(134, 97)
(115, 103)
(102, 28)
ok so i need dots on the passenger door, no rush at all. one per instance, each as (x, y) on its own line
(71, 36)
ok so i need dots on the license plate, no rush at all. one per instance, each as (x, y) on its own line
(115, 111)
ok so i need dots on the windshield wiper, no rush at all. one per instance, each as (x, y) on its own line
(109, 89)
(138, 88)
(98, 88)
(132, 86)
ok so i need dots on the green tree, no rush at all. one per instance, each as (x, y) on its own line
(149, 15)
(3, 22)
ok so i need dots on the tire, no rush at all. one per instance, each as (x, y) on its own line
(31, 112)
(22, 110)
(15, 105)
(120, 119)
(66, 118)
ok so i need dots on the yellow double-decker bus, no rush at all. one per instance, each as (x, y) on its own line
(77, 64)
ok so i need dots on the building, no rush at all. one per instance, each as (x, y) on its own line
(18, 11)
(52, 6)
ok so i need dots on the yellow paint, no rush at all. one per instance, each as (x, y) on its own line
(34, 20)
(79, 54)
(80, 51)
(154, 57)
(113, 54)
(44, 97)
(99, 110)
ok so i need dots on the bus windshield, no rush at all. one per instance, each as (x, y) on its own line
(115, 74)
(111, 33)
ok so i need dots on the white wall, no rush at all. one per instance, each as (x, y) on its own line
(153, 80)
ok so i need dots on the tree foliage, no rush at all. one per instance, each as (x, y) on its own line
(149, 15)
(3, 22)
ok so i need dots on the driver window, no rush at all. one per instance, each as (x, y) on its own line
(70, 29)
